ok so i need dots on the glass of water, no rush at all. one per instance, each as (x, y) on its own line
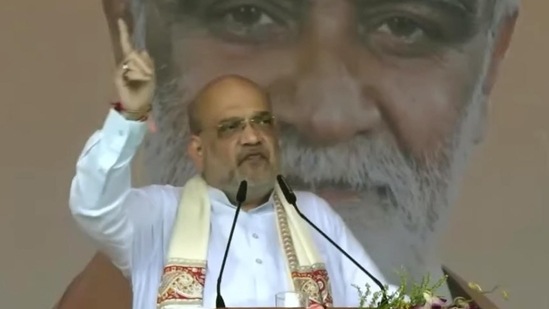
(292, 299)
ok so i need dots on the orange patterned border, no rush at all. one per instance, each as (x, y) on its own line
(312, 280)
(182, 283)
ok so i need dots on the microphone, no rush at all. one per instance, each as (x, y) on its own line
(240, 198)
(290, 197)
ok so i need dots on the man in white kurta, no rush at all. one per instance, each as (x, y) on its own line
(135, 226)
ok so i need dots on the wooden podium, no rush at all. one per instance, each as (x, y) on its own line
(459, 287)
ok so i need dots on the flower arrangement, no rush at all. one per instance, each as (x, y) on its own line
(419, 296)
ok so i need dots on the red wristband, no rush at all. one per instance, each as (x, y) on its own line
(119, 107)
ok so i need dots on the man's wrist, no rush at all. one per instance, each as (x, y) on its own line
(133, 115)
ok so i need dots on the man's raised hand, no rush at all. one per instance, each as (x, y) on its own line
(134, 80)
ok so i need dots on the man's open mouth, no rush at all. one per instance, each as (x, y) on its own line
(253, 157)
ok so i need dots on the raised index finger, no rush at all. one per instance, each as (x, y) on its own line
(125, 42)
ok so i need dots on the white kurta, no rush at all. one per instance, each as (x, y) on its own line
(133, 227)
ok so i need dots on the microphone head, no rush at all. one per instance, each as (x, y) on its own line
(289, 195)
(242, 191)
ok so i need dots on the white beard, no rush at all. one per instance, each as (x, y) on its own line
(398, 231)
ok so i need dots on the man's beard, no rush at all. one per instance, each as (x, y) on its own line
(259, 183)
(403, 200)
(374, 168)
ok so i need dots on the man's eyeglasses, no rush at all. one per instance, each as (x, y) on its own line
(263, 122)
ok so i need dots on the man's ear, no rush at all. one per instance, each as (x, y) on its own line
(501, 46)
(502, 41)
(196, 152)
(114, 10)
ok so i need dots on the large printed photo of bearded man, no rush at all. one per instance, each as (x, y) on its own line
(380, 105)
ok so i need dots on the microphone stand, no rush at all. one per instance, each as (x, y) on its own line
(292, 200)
(240, 198)
(376, 281)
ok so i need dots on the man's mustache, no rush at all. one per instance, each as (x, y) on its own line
(252, 151)
(362, 163)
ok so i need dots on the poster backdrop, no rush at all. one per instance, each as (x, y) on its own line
(381, 103)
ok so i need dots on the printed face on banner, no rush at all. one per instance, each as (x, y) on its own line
(379, 101)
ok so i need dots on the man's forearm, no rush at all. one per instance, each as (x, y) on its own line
(102, 185)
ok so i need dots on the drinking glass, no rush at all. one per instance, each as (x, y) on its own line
(292, 299)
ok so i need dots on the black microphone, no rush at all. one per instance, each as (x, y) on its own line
(240, 198)
(289, 195)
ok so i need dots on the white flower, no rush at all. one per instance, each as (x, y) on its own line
(432, 302)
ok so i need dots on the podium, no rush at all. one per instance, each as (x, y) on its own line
(459, 287)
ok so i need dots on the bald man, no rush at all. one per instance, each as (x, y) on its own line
(170, 241)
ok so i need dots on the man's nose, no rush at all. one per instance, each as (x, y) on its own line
(329, 100)
(332, 106)
(249, 136)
